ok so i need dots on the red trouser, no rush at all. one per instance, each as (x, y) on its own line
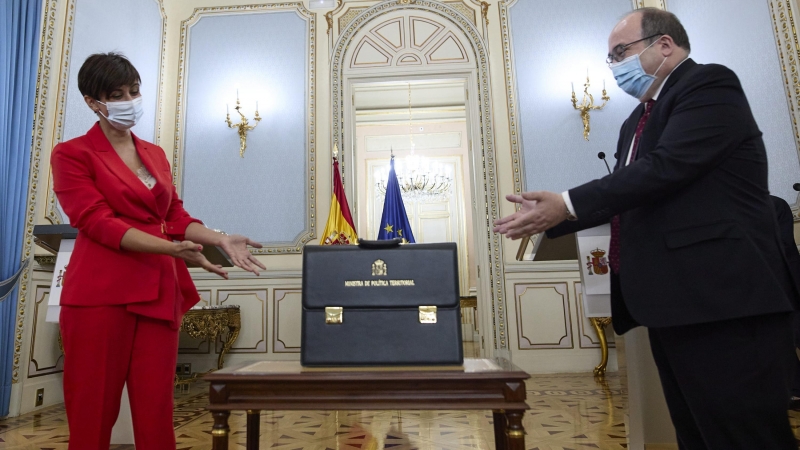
(105, 347)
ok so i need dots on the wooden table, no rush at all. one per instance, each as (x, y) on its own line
(493, 384)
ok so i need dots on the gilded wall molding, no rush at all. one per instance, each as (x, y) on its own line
(348, 17)
(488, 169)
(39, 120)
(785, 29)
(52, 213)
(309, 233)
(464, 9)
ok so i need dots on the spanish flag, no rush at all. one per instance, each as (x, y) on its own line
(340, 229)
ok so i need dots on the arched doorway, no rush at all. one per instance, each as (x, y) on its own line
(417, 41)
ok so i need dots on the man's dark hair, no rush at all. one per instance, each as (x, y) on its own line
(102, 73)
(658, 21)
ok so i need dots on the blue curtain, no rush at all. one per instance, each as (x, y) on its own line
(19, 49)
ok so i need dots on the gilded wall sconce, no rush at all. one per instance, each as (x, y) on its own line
(587, 104)
(243, 126)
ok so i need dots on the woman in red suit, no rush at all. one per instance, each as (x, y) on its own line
(127, 285)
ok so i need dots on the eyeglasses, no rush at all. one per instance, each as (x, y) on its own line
(618, 53)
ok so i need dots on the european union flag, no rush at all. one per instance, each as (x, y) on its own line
(394, 221)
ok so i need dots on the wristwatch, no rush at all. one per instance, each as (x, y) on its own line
(570, 216)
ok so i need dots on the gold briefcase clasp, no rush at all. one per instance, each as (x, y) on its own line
(427, 314)
(333, 314)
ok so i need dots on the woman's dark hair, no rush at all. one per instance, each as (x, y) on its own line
(102, 73)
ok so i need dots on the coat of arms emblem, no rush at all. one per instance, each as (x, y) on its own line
(379, 268)
(597, 264)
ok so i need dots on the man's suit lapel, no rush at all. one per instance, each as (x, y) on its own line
(629, 128)
(115, 165)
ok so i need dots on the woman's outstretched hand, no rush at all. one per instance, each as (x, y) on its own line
(235, 245)
(191, 253)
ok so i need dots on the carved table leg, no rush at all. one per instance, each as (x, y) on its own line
(515, 432)
(499, 419)
(253, 428)
(599, 324)
(220, 431)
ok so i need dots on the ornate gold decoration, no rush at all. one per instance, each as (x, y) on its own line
(463, 8)
(329, 20)
(587, 104)
(599, 324)
(348, 17)
(243, 126)
(511, 92)
(379, 268)
(39, 116)
(329, 16)
(311, 19)
(485, 12)
(211, 322)
(45, 260)
(487, 166)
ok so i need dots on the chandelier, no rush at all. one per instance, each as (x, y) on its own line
(419, 179)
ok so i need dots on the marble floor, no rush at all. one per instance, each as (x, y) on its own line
(568, 411)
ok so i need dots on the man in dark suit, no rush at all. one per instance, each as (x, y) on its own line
(695, 252)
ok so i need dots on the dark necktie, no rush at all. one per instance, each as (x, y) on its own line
(613, 250)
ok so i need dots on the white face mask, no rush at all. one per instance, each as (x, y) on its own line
(123, 115)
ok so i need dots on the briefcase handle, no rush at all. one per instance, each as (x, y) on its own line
(383, 244)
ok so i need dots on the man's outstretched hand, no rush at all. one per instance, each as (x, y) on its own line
(539, 212)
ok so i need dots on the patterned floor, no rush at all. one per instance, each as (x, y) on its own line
(568, 412)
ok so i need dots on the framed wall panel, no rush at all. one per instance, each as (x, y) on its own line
(762, 68)
(252, 304)
(543, 316)
(268, 194)
(549, 45)
(287, 311)
(46, 357)
(94, 26)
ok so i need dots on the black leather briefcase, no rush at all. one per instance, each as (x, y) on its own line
(381, 304)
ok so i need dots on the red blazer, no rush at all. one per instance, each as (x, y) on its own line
(103, 199)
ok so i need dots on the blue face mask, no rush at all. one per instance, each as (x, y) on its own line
(631, 77)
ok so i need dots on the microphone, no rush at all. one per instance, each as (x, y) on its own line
(796, 187)
(602, 156)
